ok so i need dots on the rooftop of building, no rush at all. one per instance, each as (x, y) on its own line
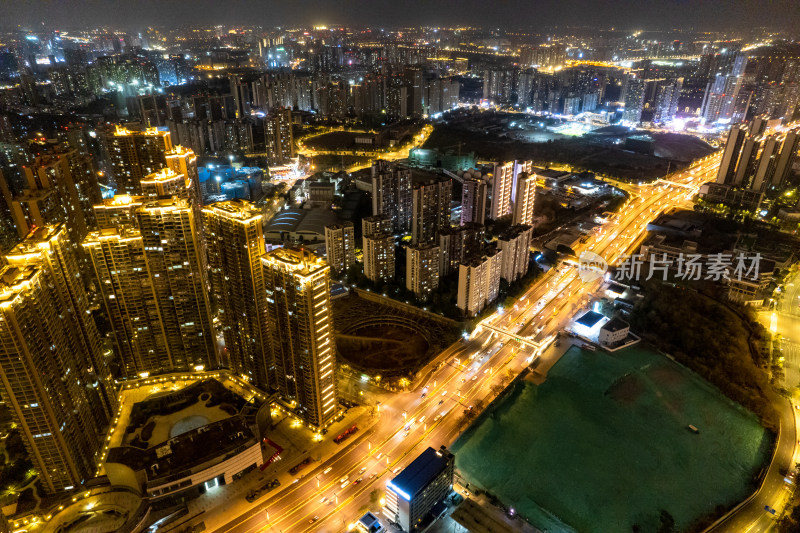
(421, 472)
(300, 260)
(552, 173)
(590, 319)
(185, 451)
(236, 208)
(615, 324)
(468, 227)
(121, 131)
(172, 429)
(423, 177)
(164, 174)
(169, 203)
(370, 522)
(422, 246)
(341, 225)
(707, 233)
(32, 195)
(309, 221)
(120, 200)
(13, 279)
(121, 231)
(37, 236)
(513, 232)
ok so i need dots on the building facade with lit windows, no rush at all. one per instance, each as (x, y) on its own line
(474, 195)
(524, 199)
(515, 243)
(55, 177)
(391, 194)
(54, 373)
(378, 248)
(173, 251)
(422, 269)
(479, 281)
(340, 246)
(414, 492)
(297, 285)
(430, 209)
(117, 210)
(117, 256)
(235, 238)
(279, 138)
(135, 154)
(504, 181)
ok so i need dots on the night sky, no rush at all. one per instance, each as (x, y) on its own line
(531, 14)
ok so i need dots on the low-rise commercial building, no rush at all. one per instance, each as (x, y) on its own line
(412, 494)
(614, 331)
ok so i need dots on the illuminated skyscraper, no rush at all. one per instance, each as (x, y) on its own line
(391, 194)
(8, 225)
(473, 200)
(515, 244)
(430, 209)
(767, 162)
(379, 258)
(174, 255)
(183, 161)
(422, 269)
(634, 100)
(786, 158)
(165, 183)
(234, 232)
(297, 286)
(479, 281)
(378, 248)
(502, 186)
(748, 160)
(340, 246)
(54, 373)
(524, 199)
(376, 224)
(53, 194)
(129, 299)
(721, 94)
(730, 156)
(135, 154)
(118, 210)
(279, 137)
(458, 243)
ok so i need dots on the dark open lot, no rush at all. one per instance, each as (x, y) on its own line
(595, 152)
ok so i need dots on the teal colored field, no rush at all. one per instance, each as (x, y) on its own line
(603, 445)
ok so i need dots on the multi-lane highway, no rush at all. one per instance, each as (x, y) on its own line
(331, 496)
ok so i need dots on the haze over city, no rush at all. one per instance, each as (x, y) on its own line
(718, 15)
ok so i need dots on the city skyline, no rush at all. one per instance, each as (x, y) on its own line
(627, 14)
(277, 267)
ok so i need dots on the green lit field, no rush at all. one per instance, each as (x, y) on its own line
(603, 445)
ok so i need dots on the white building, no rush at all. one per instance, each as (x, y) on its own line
(479, 281)
(614, 331)
(515, 245)
(504, 179)
(524, 198)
